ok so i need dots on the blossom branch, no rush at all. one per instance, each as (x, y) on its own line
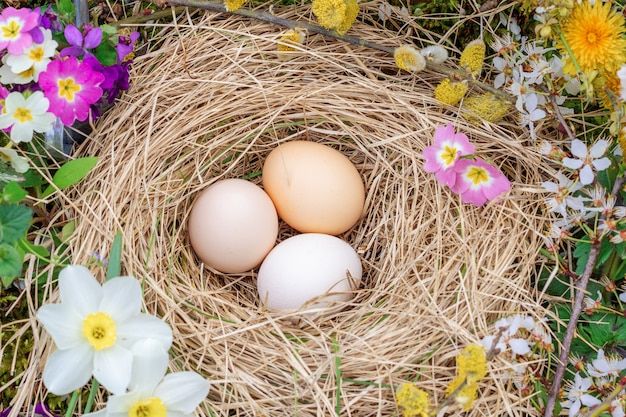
(581, 289)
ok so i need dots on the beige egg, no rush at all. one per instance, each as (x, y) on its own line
(233, 225)
(315, 188)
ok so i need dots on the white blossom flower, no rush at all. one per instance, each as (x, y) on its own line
(617, 409)
(588, 158)
(577, 395)
(563, 197)
(151, 392)
(94, 326)
(604, 366)
(509, 328)
(26, 115)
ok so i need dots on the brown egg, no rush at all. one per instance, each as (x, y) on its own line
(232, 226)
(315, 188)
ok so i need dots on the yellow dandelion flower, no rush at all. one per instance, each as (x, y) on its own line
(486, 107)
(412, 401)
(234, 5)
(473, 57)
(594, 35)
(337, 15)
(464, 392)
(450, 92)
(409, 59)
(289, 39)
(472, 363)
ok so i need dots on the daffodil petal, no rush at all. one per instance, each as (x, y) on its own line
(182, 391)
(112, 368)
(63, 324)
(67, 370)
(144, 326)
(79, 289)
(121, 298)
(150, 361)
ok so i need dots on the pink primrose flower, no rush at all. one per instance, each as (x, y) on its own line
(15, 28)
(477, 181)
(442, 156)
(71, 86)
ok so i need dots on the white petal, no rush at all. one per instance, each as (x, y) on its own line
(144, 326)
(21, 132)
(182, 391)
(599, 148)
(112, 368)
(79, 289)
(150, 361)
(601, 164)
(622, 297)
(589, 400)
(579, 149)
(586, 175)
(572, 163)
(121, 298)
(519, 346)
(574, 409)
(37, 103)
(63, 324)
(550, 186)
(67, 370)
(119, 405)
(100, 413)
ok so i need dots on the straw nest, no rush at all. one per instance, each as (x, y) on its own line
(210, 103)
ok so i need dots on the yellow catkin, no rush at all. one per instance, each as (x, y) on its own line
(464, 392)
(450, 92)
(289, 39)
(233, 5)
(412, 401)
(472, 363)
(486, 107)
(409, 59)
(473, 57)
(337, 15)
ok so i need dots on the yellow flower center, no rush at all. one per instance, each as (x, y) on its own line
(11, 30)
(153, 407)
(67, 88)
(478, 175)
(36, 54)
(22, 115)
(29, 73)
(449, 155)
(99, 330)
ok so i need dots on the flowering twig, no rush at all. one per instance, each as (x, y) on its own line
(581, 288)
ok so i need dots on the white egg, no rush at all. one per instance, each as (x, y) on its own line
(309, 266)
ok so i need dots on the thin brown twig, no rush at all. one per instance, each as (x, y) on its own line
(581, 289)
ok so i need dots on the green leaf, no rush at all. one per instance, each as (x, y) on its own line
(14, 222)
(582, 254)
(38, 250)
(606, 249)
(70, 173)
(10, 264)
(67, 231)
(13, 193)
(106, 54)
(108, 30)
(66, 8)
(115, 257)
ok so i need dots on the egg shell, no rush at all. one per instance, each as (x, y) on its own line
(232, 226)
(315, 188)
(307, 266)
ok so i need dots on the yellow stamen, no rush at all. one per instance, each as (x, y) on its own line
(11, 31)
(67, 88)
(36, 54)
(29, 73)
(478, 175)
(22, 115)
(99, 330)
(153, 407)
(449, 155)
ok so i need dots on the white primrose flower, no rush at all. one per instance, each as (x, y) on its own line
(151, 392)
(588, 159)
(94, 326)
(26, 115)
(34, 58)
(577, 395)
(19, 163)
(605, 366)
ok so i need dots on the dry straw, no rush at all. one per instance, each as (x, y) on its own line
(209, 104)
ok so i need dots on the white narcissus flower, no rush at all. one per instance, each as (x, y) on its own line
(26, 115)
(151, 392)
(94, 327)
(588, 158)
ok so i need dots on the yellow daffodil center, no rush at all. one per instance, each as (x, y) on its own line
(153, 407)
(478, 175)
(67, 88)
(22, 115)
(36, 54)
(449, 155)
(99, 330)
(11, 30)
